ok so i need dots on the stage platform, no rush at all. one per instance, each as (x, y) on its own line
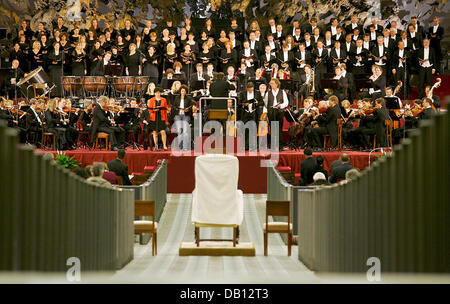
(216, 249)
(180, 171)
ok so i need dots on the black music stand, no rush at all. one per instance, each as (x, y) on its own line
(113, 70)
(168, 84)
(286, 84)
(199, 85)
(392, 104)
(329, 84)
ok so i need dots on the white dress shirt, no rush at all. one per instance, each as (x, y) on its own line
(285, 99)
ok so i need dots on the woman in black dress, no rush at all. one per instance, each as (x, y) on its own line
(35, 58)
(121, 45)
(45, 45)
(228, 57)
(209, 29)
(187, 58)
(79, 67)
(95, 56)
(151, 61)
(55, 69)
(194, 45)
(169, 57)
(132, 62)
(53, 122)
(206, 55)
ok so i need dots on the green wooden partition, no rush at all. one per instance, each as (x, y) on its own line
(48, 214)
(397, 211)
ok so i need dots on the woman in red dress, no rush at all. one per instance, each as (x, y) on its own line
(155, 117)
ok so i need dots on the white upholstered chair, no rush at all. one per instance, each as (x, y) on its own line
(216, 200)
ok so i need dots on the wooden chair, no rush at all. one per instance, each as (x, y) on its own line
(105, 136)
(47, 138)
(389, 128)
(278, 208)
(327, 138)
(146, 208)
(119, 180)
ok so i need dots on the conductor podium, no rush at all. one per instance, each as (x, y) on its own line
(217, 203)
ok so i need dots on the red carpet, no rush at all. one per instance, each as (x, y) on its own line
(252, 176)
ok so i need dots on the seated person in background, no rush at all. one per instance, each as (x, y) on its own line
(110, 176)
(319, 161)
(352, 174)
(88, 170)
(338, 172)
(319, 179)
(81, 172)
(307, 168)
(119, 168)
(98, 168)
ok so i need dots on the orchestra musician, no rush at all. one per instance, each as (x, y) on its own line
(277, 102)
(102, 123)
(53, 124)
(330, 127)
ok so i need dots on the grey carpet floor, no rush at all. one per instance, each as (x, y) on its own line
(175, 227)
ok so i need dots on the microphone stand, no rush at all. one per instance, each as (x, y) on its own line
(15, 85)
(404, 95)
(62, 73)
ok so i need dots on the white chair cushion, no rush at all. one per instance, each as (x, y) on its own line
(144, 224)
(278, 226)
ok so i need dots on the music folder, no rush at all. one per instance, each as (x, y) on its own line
(392, 103)
(199, 85)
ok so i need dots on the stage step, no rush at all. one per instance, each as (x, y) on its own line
(210, 248)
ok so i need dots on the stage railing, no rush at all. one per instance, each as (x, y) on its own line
(397, 211)
(49, 215)
(155, 189)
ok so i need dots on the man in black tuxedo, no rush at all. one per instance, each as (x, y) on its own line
(285, 58)
(329, 118)
(267, 59)
(248, 56)
(235, 42)
(427, 65)
(309, 28)
(350, 80)
(100, 68)
(401, 60)
(306, 82)
(199, 75)
(117, 166)
(353, 24)
(417, 27)
(380, 115)
(101, 123)
(255, 44)
(378, 84)
(307, 168)
(320, 57)
(9, 86)
(249, 102)
(302, 57)
(428, 112)
(380, 54)
(435, 34)
(220, 87)
(338, 172)
(342, 85)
